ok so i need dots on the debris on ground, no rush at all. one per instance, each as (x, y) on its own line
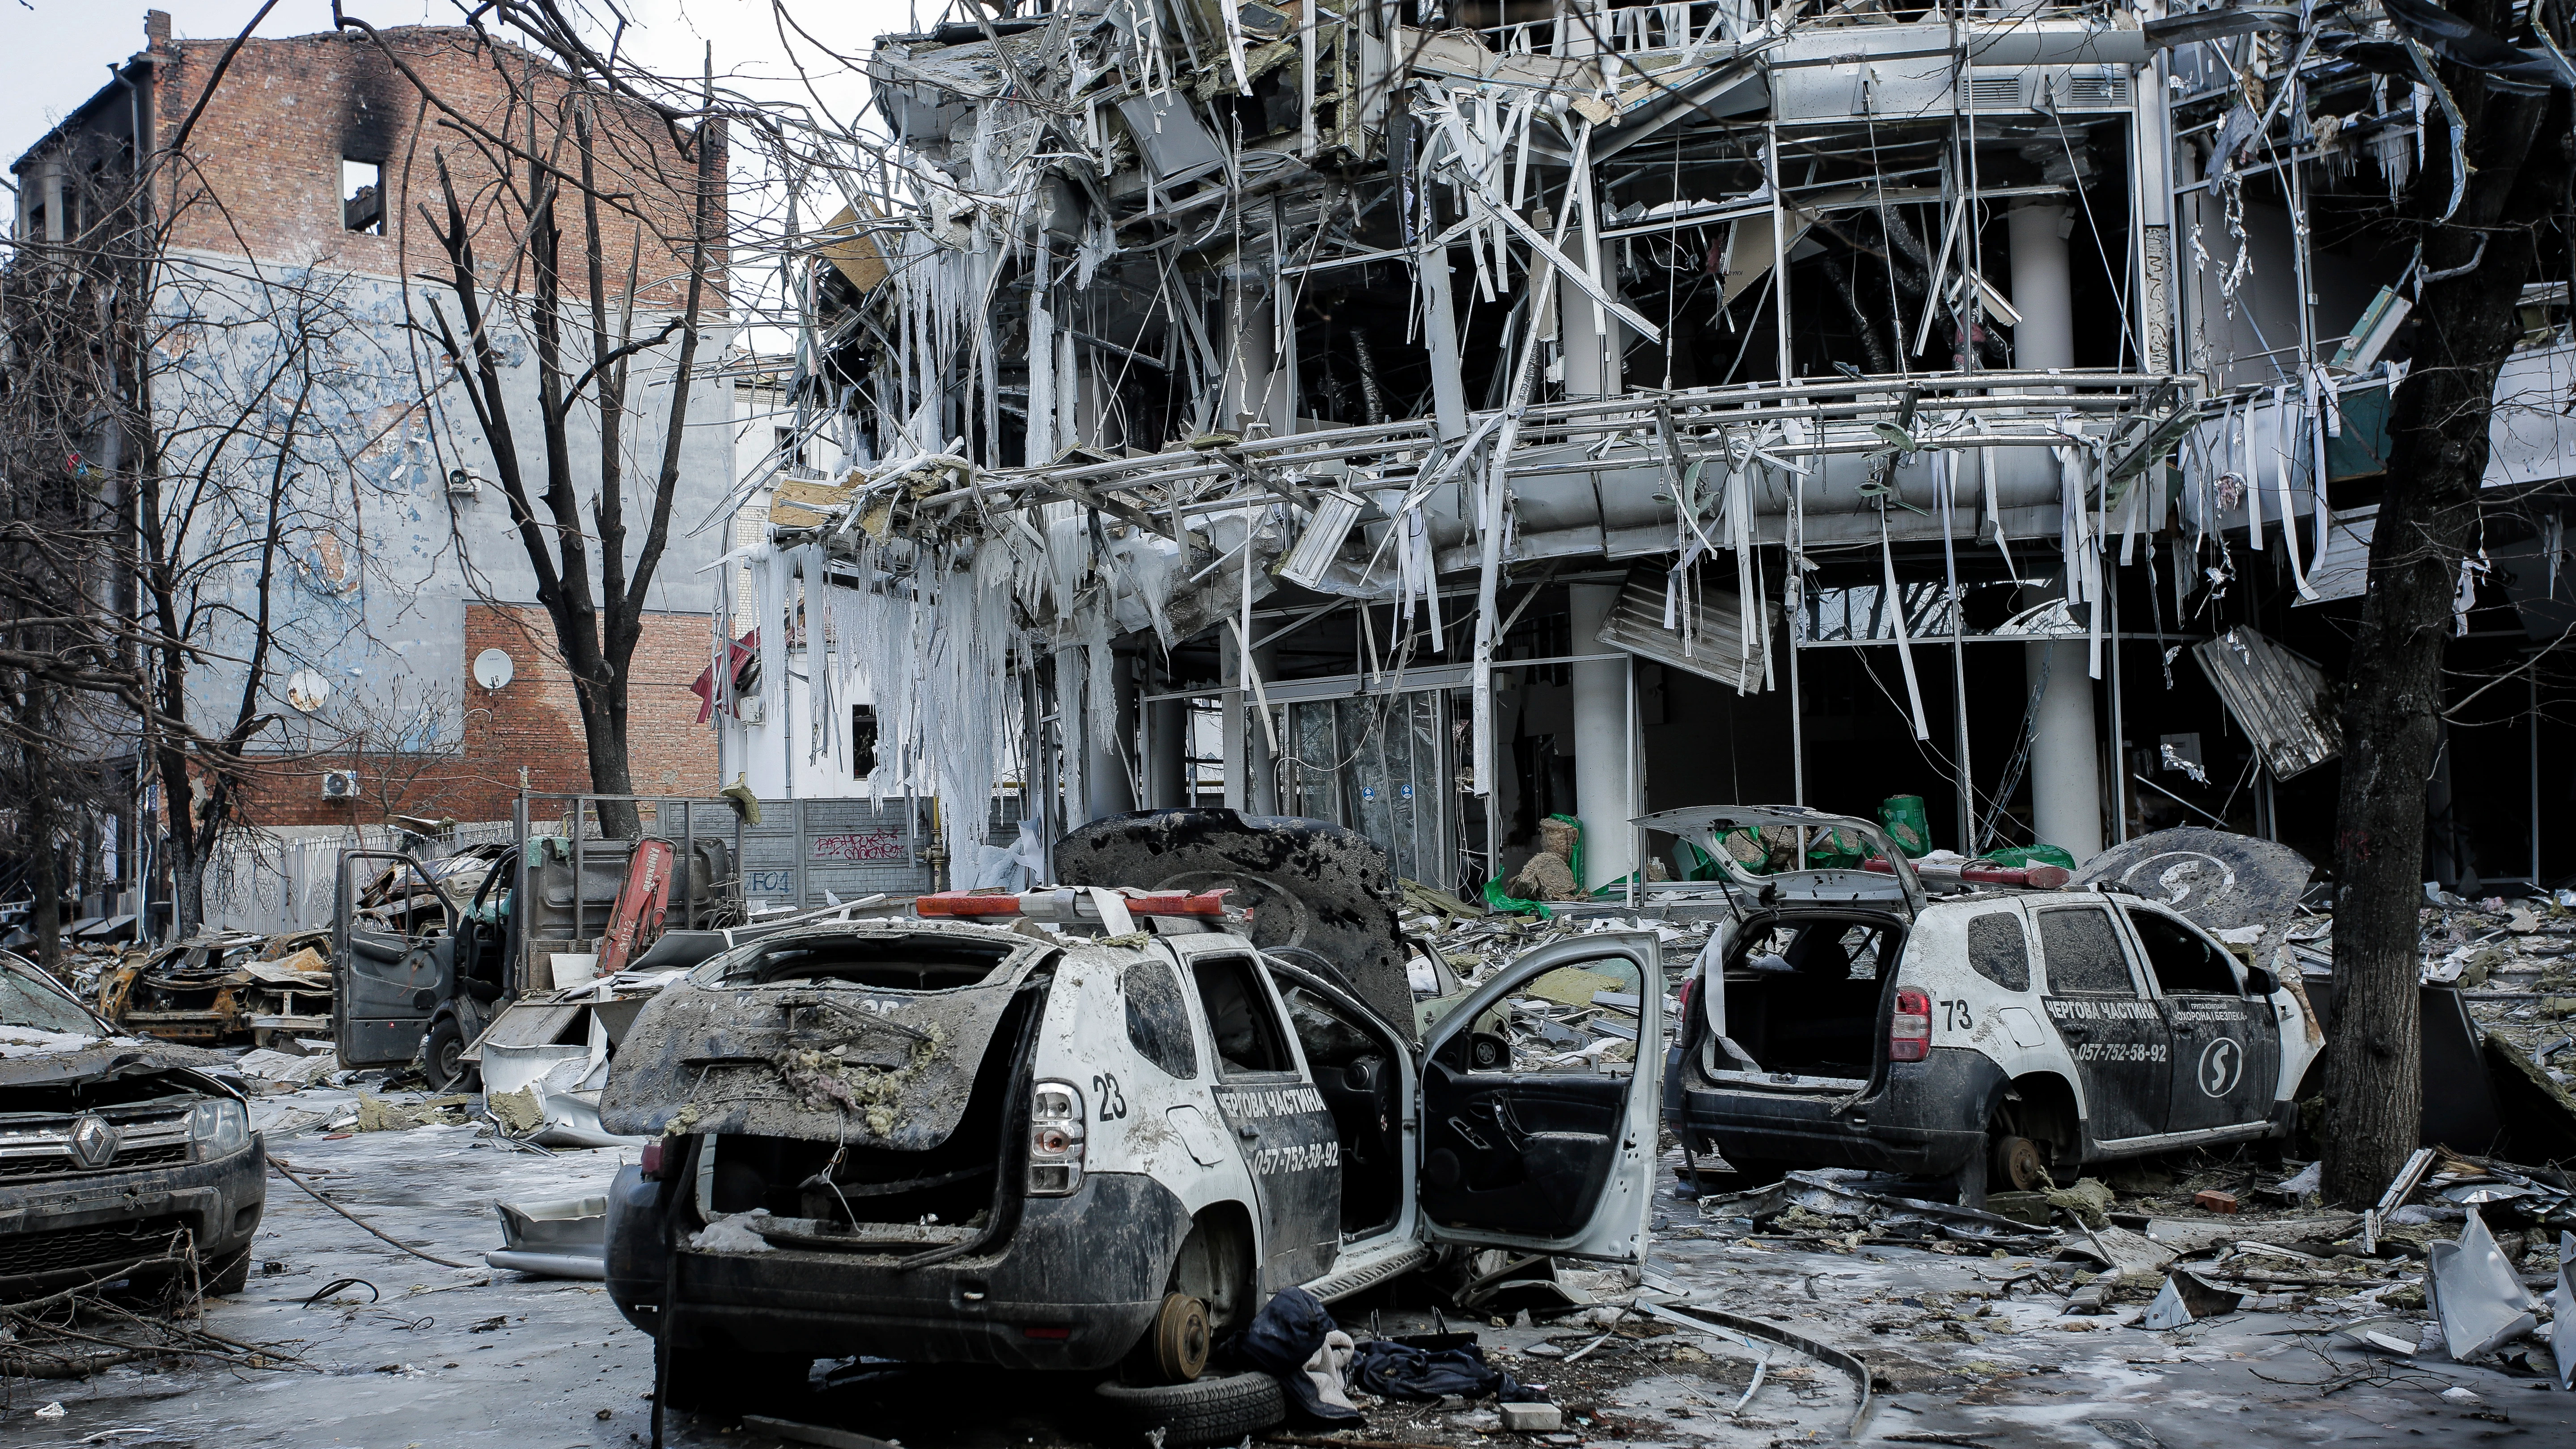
(216, 989)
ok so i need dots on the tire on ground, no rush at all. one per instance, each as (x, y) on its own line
(222, 1277)
(721, 1378)
(1210, 1411)
(439, 1058)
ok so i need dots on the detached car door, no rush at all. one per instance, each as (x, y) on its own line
(386, 983)
(1546, 1138)
(2227, 1048)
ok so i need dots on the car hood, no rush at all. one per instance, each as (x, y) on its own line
(81, 1058)
(2216, 879)
(1312, 886)
(818, 1059)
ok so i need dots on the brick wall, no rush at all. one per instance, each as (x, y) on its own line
(533, 722)
(262, 170)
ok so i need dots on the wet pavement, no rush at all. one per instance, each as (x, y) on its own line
(1963, 1348)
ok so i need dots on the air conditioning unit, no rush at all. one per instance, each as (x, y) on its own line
(339, 784)
(2049, 88)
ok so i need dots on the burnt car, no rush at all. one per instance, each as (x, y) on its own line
(222, 989)
(1093, 1129)
(123, 1162)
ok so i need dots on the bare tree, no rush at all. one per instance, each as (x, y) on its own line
(170, 426)
(590, 223)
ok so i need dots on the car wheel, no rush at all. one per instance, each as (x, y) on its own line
(1179, 1339)
(443, 1058)
(730, 1378)
(227, 1275)
(1210, 1411)
(2015, 1165)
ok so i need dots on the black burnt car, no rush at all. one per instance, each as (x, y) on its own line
(122, 1161)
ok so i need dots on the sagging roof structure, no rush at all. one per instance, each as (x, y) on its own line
(1197, 320)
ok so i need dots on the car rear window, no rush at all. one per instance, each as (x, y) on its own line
(1999, 951)
(1158, 1021)
(2083, 953)
(883, 962)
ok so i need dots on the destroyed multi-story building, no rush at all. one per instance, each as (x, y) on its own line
(282, 193)
(1437, 419)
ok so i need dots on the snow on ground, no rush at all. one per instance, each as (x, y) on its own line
(438, 1357)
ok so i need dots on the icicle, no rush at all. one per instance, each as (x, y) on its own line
(1100, 689)
(1072, 673)
(2285, 426)
(1896, 615)
(822, 730)
(771, 580)
(2251, 476)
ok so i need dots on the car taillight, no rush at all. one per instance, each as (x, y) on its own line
(656, 1154)
(1690, 993)
(1055, 1139)
(1909, 1035)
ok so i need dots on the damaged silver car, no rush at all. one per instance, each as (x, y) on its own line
(123, 1162)
(1093, 1129)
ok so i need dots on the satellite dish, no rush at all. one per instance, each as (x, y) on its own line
(492, 669)
(306, 689)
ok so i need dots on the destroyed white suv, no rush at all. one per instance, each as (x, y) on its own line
(1096, 1142)
(1846, 1018)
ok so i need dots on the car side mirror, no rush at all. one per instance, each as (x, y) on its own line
(2261, 980)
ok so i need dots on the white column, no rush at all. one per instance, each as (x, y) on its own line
(1235, 715)
(2065, 758)
(1601, 770)
(1107, 785)
(2065, 762)
(2040, 292)
(1261, 793)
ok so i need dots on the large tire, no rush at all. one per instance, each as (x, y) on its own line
(442, 1058)
(1210, 1411)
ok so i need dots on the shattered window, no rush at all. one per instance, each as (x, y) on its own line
(2186, 963)
(24, 1002)
(1241, 1018)
(362, 196)
(1860, 943)
(1999, 951)
(2083, 953)
(1576, 1019)
(1158, 1024)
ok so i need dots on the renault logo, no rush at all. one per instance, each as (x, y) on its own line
(93, 1141)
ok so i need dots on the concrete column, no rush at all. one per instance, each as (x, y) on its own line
(1261, 792)
(2040, 291)
(1234, 714)
(1167, 771)
(1107, 785)
(2065, 758)
(1602, 770)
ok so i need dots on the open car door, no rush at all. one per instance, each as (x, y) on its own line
(386, 983)
(1542, 1135)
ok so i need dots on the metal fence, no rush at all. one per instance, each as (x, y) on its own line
(802, 853)
(272, 885)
